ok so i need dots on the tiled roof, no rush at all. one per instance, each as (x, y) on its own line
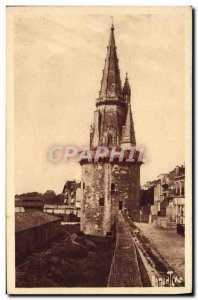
(32, 203)
(111, 84)
(27, 220)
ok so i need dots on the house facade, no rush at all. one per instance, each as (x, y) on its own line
(168, 209)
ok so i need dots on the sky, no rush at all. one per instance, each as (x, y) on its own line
(58, 63)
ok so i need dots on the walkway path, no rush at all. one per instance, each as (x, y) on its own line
(124, 270)
(168, 243)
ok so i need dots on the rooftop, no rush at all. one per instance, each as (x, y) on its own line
(29, 203)
(27, 220)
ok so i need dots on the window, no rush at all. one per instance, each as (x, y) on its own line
(101, 201)
(177, 188)
(183, 192)
(112, 187)
(110, 139)
(182, 188)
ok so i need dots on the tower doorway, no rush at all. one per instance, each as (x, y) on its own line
(120, 205)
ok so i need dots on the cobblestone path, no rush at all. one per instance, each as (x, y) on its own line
(168, 243)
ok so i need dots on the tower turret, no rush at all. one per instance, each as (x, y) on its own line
(127, 89)
(128, 133)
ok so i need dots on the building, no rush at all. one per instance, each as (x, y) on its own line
(33, 230)
(146, 202)
(67, 204)
(168, 209)
(67, 213)
(175, 210)
(69, 191)
(28, 204)
(155, 208)
(110, 186)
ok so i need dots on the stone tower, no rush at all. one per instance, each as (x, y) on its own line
(110, 186)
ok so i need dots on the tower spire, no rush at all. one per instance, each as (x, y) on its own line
(111, 84)
(128, 133)
(127, 89)
(112, 26)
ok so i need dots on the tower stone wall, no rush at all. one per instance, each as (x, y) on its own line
(118, 185)
(127, 181)
(96, 216)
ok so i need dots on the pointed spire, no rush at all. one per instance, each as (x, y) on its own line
(128, 134)
(127, 89)
(111, 84)
(112, 26)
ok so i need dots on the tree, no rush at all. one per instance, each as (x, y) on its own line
(49, 196)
